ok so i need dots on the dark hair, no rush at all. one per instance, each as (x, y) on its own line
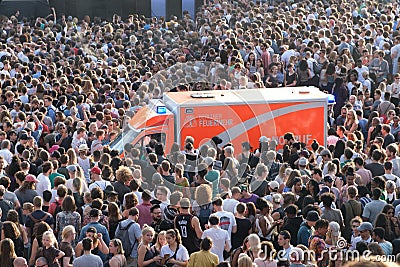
(175, 233)
(380, 232)
(47, 195)
(214, 220)
(322, 223)
(327, 199)
(376, 193)
(285, 234)
(292, 209)
(87, 244)
(206, 244)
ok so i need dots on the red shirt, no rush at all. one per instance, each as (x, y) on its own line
(144, 214)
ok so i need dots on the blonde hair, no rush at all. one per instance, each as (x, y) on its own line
(245, 261)
(51, 236)
(254, 242)
(67, 231)
(118, 244)
(146, 229)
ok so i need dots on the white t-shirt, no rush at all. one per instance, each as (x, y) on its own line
(226, 220)
(229, 204)
(219, 237)
(43, 184)
(181, 255)
(102, 184)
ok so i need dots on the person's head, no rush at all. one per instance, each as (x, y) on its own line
(365, 230)
(378, 234)
(20, 262)
(134, 214)
(10, 230)
(376, 193)
(355, 223)
(48, 239)
(87, 244)
(41, 262)
(213, 220)
(245, 261)
(254, 242)
(116, 247)
(37, 202)
(162, 193)
(322, 226)
(156, 212)
(173, 236)
(327, 199)
(148, 233)
(206, 243)
(68, 232)
(284, 238)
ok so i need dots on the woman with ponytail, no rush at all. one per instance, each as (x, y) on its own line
(174, 253)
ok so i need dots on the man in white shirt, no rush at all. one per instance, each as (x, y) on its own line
(95, 176)
(79, 139)
(227, 219)
(43, 178)
(365, 234)
(229, 204)
(220, 238)
(360, 68)
(5, 152)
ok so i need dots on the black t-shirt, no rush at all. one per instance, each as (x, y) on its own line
(243, 226)
(122, 190)
(69, 252)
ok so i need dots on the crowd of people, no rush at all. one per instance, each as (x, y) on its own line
(70, 86)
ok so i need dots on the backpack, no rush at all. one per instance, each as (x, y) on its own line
(36, 223)
(123, 235)
(204, 214)
(57, 209)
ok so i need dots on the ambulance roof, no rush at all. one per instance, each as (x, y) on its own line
(266, 95)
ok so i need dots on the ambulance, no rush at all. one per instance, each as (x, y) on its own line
(235, 116)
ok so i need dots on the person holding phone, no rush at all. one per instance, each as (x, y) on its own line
(174, 254)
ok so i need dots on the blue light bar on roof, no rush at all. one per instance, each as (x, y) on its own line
(161, 110)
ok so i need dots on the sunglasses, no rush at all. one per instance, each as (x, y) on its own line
(354, 226)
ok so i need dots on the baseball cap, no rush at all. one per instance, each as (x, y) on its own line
(31, 178)
(365, 226)
(273, 184)
(53, 148)
(263, 139)
(94, 213)
(325, 152)
(208, 161)
(312, 216)
(184, 203)
(83, 147)
(96, 170)
(303, 162)
(71, 168)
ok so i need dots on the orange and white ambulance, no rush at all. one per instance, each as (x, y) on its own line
(235, 116)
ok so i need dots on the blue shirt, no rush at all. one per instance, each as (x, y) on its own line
(304, 234)
(134, 235)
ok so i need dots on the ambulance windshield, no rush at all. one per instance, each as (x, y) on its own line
(126, 137)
